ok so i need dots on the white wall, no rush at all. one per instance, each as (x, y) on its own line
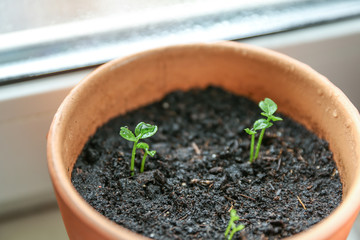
(26, 111)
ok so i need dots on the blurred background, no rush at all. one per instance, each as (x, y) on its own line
(47, 46)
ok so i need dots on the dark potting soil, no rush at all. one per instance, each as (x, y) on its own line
(201, 171)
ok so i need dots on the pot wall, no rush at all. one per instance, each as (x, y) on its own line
(125, 84)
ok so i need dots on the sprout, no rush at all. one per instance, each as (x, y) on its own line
(145, 146)
(142, 130)
(231, 226)
(269, 107)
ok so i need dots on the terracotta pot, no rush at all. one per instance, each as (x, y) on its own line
(127, 83)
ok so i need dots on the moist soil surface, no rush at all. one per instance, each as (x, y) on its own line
(201, 171)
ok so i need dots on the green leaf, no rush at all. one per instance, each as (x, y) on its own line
(265, 114)
(147, 130)
(138, 128)
(249, 131)
(127, 134)
(261, 124)
(274, 118)
(239, 227)
(268, 106)
(233, 215)
(152, 153)
(143, 145)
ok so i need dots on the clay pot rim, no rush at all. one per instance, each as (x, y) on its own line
(322, 230)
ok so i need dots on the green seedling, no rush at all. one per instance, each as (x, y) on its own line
(142, 130)
(145, 146)
(269, 107)
(232, 226)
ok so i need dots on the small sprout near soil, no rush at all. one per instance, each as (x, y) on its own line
(142, 130)
(232, 226)
(269, 107)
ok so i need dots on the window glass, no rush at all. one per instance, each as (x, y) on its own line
(40, 37)
(20, 15)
